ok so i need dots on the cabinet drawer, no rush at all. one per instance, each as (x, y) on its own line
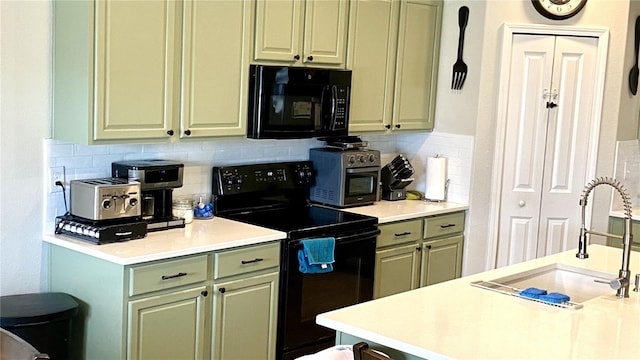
(241, 261)
(399, 233)
(167, 274)
(443, 224)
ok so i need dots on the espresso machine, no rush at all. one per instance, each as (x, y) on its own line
(157, 180)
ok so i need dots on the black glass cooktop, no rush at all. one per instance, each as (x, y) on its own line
(304, 219)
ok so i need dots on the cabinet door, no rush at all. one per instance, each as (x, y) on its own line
(325, 32)
(616, 227)
(216, 44)
(244, 318)
(170, 326)
(417, 64)
(373, 32)
(136, 69)
(396, 270)
(441, 260)
(279, 26)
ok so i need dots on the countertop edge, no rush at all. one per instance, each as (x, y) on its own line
(75, 245)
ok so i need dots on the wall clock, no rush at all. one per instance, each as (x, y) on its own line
(558, 9)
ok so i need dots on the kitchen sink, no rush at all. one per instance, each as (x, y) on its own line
(578, 283)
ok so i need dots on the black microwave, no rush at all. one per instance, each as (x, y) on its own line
(298, 102)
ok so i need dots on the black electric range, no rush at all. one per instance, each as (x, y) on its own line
(276, 196)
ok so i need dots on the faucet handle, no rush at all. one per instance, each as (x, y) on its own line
(616, 283)
(637, 283)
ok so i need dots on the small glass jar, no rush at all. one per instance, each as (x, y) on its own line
(183, 208)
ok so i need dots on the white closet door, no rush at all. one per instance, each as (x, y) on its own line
(567, 143)
(545, 148)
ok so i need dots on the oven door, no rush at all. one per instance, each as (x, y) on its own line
(303, 296)
(360, 186)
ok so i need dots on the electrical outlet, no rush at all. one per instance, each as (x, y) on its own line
(56, 173)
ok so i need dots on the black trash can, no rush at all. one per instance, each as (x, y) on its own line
(44, 320)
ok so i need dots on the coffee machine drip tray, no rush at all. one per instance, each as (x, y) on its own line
(165, 224)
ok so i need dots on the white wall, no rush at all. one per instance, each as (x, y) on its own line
(24, 122)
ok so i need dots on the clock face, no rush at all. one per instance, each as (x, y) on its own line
(558, 9)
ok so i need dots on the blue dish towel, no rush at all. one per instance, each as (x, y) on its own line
(316, 255)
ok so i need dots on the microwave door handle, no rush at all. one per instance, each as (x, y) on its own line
(334, 99)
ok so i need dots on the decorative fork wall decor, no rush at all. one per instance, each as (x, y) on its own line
(459, 67)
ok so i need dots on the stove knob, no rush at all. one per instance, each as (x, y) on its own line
(352, 159)
(133, 202)
(372, 158)
(361, 158)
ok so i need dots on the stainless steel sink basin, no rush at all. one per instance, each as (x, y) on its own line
(579, 283)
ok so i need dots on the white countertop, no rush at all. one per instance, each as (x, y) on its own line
(388, 211)
(197, 237)
(456, 320)
(218, 233)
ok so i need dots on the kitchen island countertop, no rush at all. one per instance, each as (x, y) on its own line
(456, 320)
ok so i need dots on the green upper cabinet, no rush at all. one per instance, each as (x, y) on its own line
(295, 32)
(393, 51)
(373, 33)
(117, 69)
(216, 53)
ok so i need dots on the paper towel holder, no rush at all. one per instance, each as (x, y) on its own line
(446, 193)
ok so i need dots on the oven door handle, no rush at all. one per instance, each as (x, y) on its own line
(359, 236)
(362, 170)
(343, 239)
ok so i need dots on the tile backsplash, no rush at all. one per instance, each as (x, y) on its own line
(94, 161)
(627, 171)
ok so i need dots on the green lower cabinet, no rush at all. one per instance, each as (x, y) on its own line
(244, 318)
(397, 270)
(169, 326)
(616, 227)
(441, 260)
(418, 252)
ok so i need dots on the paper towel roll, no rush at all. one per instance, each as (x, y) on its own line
(435, 188)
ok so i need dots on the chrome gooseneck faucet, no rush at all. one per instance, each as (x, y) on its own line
(621, 284)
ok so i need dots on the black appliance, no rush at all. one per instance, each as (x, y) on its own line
(157, 180)
(297, 102)
(275, 196)
(395, 177)
(345, 176)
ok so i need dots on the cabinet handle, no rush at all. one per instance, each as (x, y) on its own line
(170, 132)
(403, 234)
(296, 57)
(244, 262)
(222, 290)
(187, 132)
(388, 126)
(397, 126)
(428, 247)
(310, 58)
(447, 226)
(204, 293)
(418, 248)
(167, 277)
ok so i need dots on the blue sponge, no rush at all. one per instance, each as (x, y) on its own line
(555, 298)
(533, 293)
